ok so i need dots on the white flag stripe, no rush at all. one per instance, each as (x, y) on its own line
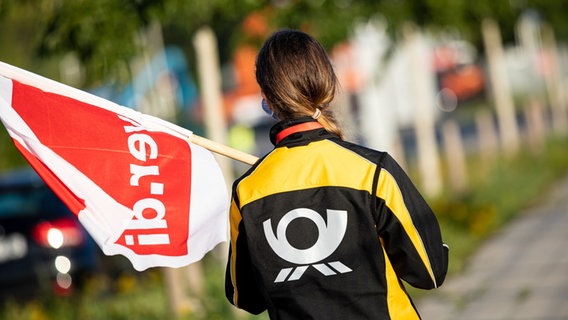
(203, 183)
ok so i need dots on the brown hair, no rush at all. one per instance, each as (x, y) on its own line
(296, 77)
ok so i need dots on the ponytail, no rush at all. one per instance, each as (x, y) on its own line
(327, 120)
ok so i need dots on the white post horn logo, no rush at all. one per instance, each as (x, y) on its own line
(329, 238)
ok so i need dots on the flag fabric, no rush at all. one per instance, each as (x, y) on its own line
(133, 180)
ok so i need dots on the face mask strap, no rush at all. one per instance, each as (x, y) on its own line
(268, 111)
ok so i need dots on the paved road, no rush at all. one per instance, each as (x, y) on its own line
(520, 273)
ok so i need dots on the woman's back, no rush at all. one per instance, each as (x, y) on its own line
(308, 214)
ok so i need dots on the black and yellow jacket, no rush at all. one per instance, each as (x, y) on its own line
(325, 229)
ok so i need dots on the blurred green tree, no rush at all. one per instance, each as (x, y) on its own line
(102, 33)
(332, 20)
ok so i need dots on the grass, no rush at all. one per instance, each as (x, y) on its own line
(131, 295)
(497, 194)
(131, 298)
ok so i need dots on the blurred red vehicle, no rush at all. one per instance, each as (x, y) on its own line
(457, 71)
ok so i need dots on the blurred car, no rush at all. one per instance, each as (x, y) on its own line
(43, 247)
(460, 76)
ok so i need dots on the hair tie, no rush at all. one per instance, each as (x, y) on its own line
(316, 114)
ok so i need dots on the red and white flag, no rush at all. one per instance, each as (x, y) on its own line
(134, 181)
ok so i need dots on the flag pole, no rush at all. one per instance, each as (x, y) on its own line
(33, 79)
(223, 149)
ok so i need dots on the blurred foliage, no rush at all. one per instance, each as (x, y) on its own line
(103, 33)
(103, 298)
(129, 295)
(498, 192)
(10, 157)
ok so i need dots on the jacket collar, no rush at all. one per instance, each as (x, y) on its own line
(298, 131)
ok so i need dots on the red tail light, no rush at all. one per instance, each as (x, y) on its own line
(64, 232)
